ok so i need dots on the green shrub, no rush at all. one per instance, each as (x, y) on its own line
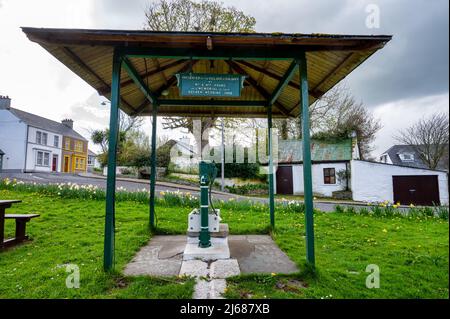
(248, 189)
(242, 170)
(163, 154)
(339, 209)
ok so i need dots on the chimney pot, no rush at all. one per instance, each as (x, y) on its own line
(5, 102)
(68, 123)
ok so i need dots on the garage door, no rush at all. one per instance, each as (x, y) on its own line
(284, 180)
(417, 190)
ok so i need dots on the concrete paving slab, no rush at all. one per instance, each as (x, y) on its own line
(212, 289)
(218, 250)
(172, 249)
(254, 254)
(260, 239)
(224, 268)
(217, 288)
(260, 255)
(159, 258)
(194, 268)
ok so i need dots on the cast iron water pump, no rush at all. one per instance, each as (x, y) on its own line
(208, 172)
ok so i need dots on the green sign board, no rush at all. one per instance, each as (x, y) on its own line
(211, 85)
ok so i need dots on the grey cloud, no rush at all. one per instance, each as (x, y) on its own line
(413, 64)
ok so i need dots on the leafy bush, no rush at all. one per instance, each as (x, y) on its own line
(248, 189)
(163, 154)
(242, 170)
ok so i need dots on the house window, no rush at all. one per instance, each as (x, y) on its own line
(67, 144)
(407, 157)
(41, 138)
(56, 141)
(79, 163)
(90, 160)
(78, 146)
(329, 176)
(42, 158)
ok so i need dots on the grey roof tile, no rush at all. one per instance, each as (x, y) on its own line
(46, 124)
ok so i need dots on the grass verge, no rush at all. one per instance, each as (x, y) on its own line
(411, 252)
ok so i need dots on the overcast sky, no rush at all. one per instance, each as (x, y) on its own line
(402, 83)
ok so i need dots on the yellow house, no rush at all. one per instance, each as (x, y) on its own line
(74, 151)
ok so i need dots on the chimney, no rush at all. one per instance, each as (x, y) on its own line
(68, 123)
(5, 102)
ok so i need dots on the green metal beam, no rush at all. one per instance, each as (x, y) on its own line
(307, 175)
(213, 103)
(254, 53)
(270, 146)
(283, 82)
(108, 257)
(134, 75)
(153, 166)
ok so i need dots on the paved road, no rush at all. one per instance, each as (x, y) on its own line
(52, 178)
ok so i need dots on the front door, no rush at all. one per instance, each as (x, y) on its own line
(284, 180)
(66, 164)
(55, 163)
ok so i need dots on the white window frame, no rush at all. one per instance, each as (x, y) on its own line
(38, 137)
(44, 138)
(404, 156)
(44, 160)
(56, 141)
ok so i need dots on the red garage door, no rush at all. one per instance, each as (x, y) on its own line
(284, 180)
(417, 190)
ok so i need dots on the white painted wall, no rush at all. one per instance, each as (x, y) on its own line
(12, 141)
(319, 187)
(33, 148)
(372, 182)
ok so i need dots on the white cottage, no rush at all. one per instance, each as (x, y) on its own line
(30, 143)
(337, 166)
(330, 166)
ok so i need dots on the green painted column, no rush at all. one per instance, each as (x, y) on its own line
(270, 146)
(153, 166)
(307, 175)
(108, 257)
(204, 173)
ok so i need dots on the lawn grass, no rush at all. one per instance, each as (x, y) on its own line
(412, 253)
(71, 231)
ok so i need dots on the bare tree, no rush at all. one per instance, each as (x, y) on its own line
(188, 15)
(337, 114)
(429, 138)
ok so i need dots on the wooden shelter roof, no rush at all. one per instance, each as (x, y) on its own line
(263, 57)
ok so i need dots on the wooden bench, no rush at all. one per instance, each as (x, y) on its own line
(21, 224)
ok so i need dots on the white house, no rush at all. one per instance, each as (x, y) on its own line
(92, 161)
(330, 166)
(183, 154)
(337, 166)
(408, 155)
(30, 143)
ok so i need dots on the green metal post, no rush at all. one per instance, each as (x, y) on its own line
(153, 166)
(108, 257)
(271, 191)
(204, 236)
(307, 175)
